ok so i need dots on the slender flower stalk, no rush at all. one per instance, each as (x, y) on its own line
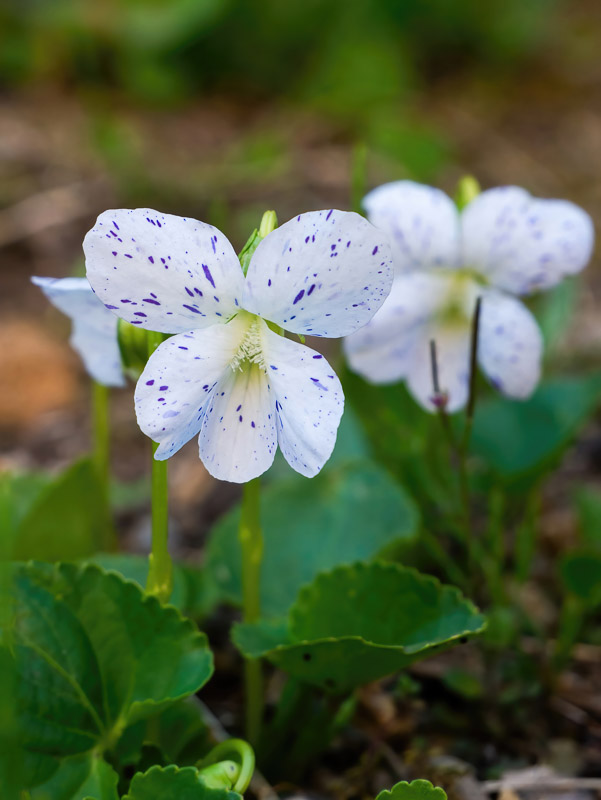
(101, 452)
(251, 543)
(465, 439)
(160, 567)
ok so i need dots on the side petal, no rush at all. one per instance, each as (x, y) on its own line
(421, 221)
(452, 358)
(510, 346)
(382, 351)
(176, 385)
(309, 402)
(324, 273)
(164, 273)
(523, 244)
(94, 329)
(238, 438)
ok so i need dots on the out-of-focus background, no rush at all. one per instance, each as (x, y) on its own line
(220, 109)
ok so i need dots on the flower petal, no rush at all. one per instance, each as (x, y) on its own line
(383, 350)
(523, 244)
(164, 273)
(238, 439)
(510, 345)
(324, 273)
(452, 358)
(309, 403)
(176, 385)
(422, 222)
(94, 331)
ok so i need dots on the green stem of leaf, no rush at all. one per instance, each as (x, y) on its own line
(251, 542)
(238, 751)
(101, 453)
(570, 624)
(160, 567)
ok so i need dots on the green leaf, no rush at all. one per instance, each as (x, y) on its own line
(351, 513)
(172, 783)
(588, 505)
(416, 790)
(358, 623)
(555, 310)
(93, 655)
(407, 440)
(67, 517)
(517, 439)
(580, 571)
(189, 590)
(180, 733)
(78, 778)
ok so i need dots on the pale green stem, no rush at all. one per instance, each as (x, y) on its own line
(251, 542)
(160, 567)
(245, 763)
(101, 454)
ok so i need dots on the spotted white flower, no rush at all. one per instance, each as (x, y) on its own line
(228, 375)
(94, 329)
(504, 244)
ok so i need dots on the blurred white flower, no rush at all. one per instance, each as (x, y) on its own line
(94, 329)
(228, 375)
(504, 243)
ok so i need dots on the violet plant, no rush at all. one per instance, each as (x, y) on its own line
(105, 673)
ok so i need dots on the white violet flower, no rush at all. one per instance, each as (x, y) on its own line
(228, 375)
(503, 245)
(94, 329)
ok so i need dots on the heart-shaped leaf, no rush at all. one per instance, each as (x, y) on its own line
(93, 655)
(358, 623)
(348, 514)
(518, 439)
(172, 783)
(72, 503)
(416, 790)
(78, 778)
(189, 589)
(580, 571)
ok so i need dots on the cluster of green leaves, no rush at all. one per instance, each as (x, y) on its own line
(336, 55)
(99, 673)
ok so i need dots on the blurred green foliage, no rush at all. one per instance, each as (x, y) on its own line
(334, 53)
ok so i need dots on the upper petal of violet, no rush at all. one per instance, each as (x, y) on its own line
(421, 221)
(162, 272)
(522, 244)
(323, 273)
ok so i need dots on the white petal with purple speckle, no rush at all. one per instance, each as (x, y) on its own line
(523, 244)
(510, 345)
(309, 402)
(162, 272)
(323, 273)
(453, 356)
(94, 332)
(383, 350)
(422, 222)
(238, 439)
(178, 381)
